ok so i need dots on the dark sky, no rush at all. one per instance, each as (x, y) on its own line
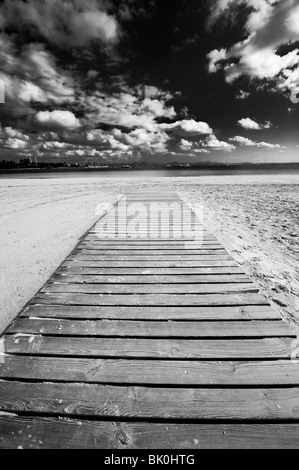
(157, 80)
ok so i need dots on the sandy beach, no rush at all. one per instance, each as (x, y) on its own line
(254, 216)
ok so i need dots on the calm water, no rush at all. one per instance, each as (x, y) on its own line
(143, 174)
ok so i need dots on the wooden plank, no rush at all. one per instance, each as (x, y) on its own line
(132, 246)
(157, 220)
(36, 345)
(151, 264)
(206, 255)
(186, 226)
(152, 299)
(245, 313)
(152, 329)
(154, 219)
(175, 211)
(165, 230)
(149, 288)
(151, 243)
(150, 217)
(137, 402)
(207, 271)
(153, 233)
(149, 372)
(132, 226)
(185, 229)
(119, 252)
(120, 237)
(151, 279)
(49, 433)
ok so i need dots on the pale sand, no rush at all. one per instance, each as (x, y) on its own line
(255, 218)
(41, 222)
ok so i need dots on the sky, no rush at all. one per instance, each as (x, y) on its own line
(157, 81)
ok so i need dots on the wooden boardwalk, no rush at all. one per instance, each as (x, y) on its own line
(149, 343)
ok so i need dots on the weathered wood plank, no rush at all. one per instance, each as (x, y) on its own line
(160, 289)
(152, 299)
(208, 249)
(121, 271)
(151, 264)
(266, 348)
(147, 329)
(206, 255)
(148, 235)
(163, 231)
(245, 313)
(147, 372)
(150, 245)
(166, 227)
(151, 279)
(158, 249)
(137, 402)
(155, 221)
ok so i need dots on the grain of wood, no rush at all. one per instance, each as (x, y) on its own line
(192, 300)
(137, 402)
(141, 289)
(206, 271)
(152, 329)
(243, 313)
(150, 264)
(149, 372)
(37, 345)
(150, 279)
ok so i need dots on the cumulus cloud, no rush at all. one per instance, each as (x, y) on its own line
(268, 145)
(16, 144)
(126, 109)
(242, 95)
(140, 138)
(63, 23)
(210, 143)
(185, 144)
(244, 142)
(31, 76)
(143, 139)
(53, 145)
(213, 143)
(201, 151)
(270, 25)
(251, 124)
(157, 108)
(156, 140)
(215, 57)
(106, 140)
(188, 128)
(152, 92)
(15, 134)
(56, 120)
(14, 139)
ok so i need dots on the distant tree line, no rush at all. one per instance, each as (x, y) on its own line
(26, 163)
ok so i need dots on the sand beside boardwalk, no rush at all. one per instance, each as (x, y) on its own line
(259, 226)
(255, 218)
(41, 222)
